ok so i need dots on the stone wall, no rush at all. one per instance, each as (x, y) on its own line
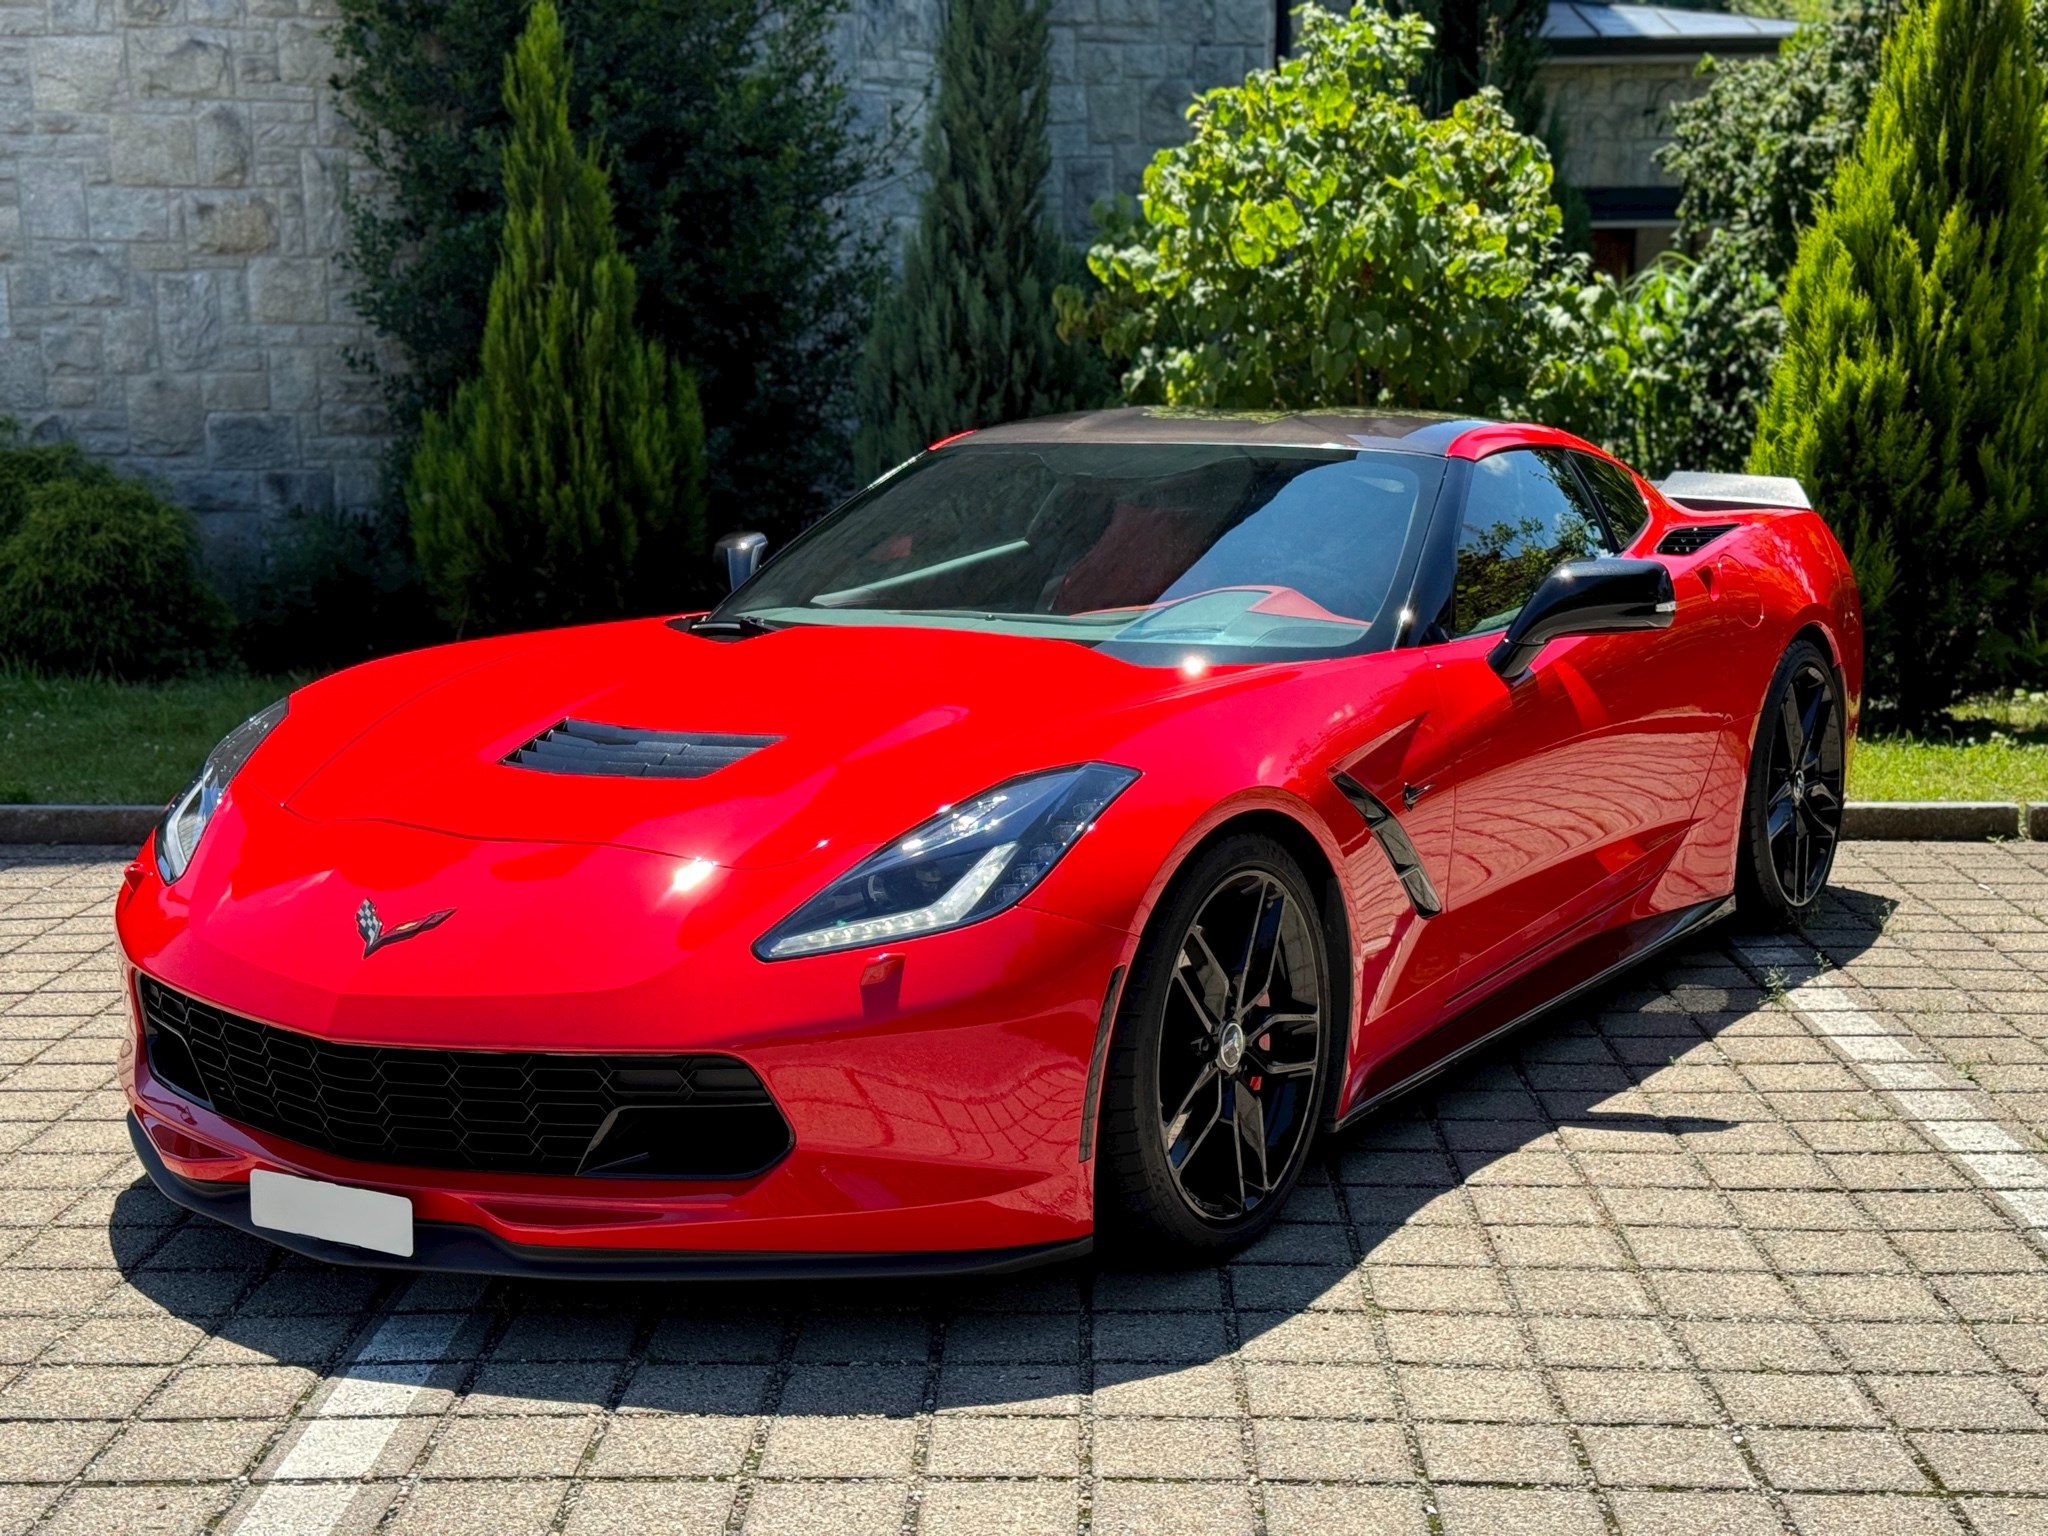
(171, 183)
(1616, 116)
(171, 174)
(1123, 72)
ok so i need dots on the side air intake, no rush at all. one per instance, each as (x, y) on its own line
(1693, 538)
(1392, 837)
(624, 752)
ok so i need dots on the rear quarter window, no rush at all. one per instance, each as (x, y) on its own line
(1619, 498)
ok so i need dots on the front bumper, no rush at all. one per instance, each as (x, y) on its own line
(457, 1248)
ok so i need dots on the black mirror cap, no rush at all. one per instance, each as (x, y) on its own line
(740, 554)
(1586, 597)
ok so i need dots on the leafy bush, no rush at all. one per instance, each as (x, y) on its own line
(968, 337)
(1615, 367)
(733, 157)
(564, 483)
(1319, 240)
(99, 574)
(1756, 151)
(1912, 395)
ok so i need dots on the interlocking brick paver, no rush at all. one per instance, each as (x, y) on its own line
(1670, 1263)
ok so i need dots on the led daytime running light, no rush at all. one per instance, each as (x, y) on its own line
(974, 859)
(943, 913)
(186, 818)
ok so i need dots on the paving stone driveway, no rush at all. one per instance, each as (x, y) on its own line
(1757, 1245)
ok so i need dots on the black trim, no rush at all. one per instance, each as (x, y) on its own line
(1726, 45)
(1434, 576)
(1503, 1012)
(1096, 1059)
(454, 1248)
(1394, 842)
(626, 752)
(1691, 538)
(1631, 207)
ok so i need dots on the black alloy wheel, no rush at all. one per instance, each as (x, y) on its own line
(1218, 1070)
(1793, 818)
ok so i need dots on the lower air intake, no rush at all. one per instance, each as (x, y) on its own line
(677, 1117)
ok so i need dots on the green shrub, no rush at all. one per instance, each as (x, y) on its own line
(563, 485)
(100, 575)
(1912, 395)
(1615, 368)
(734, 163)
(968, 336)
(1320, 240)
(1756, 151)
(337, 588)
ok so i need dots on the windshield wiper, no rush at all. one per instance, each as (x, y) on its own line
(738, 624)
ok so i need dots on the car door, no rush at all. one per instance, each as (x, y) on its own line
(1573, 782)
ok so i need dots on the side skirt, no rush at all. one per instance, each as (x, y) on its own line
(1550, 986)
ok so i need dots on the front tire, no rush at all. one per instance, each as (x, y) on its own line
(1792, 810)
(1219, 1061)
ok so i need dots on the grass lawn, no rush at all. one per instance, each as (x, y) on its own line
(89, 742)
(77, 741)
(1999, 751)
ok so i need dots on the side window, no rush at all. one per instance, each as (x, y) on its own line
(1619, 498)
(1524, 512)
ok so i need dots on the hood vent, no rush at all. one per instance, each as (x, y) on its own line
(624, 752)
(1691, 538)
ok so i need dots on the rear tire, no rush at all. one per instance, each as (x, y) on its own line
(1219, 1062)
(1792, 809)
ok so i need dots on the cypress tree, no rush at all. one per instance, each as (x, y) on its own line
(563, 483)
(968, 337)
(1912, 393)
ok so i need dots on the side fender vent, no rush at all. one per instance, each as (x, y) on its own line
(624, 752)
(1692, 538)
(1392, 837)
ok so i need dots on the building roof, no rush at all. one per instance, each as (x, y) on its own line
(1591, 28)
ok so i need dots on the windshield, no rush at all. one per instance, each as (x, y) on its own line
(1262, 550)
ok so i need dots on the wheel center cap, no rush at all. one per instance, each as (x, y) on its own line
(1230, 1048)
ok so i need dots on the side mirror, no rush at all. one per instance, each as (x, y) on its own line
(741, 554)
(1586, 597)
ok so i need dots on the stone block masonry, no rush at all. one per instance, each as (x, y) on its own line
(172, 177)
(171, 295)
(1124, 72)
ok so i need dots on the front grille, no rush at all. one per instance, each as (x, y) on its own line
(706, 1117)
(617, 751)
(1691, 538)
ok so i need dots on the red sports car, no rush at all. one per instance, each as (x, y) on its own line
(1052, 842)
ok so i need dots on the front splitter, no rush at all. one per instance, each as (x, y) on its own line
(454, 1248)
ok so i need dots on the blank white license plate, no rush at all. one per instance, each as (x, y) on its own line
(362, 1218)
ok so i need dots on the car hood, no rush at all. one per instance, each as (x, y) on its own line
(873, 729)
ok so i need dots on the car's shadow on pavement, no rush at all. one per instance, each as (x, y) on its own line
(1429, 1233)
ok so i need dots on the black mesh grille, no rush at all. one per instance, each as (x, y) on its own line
(617, 751)
(496, 1111)
(1693, 538)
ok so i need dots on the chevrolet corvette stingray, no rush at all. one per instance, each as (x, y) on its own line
(1050, 843)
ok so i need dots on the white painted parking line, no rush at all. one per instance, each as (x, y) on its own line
(294, 1509)
(1929, 1093)
(347, 1431)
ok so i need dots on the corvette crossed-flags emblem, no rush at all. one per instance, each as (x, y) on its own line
(376, 935)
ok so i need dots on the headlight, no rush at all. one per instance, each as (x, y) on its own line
(968, 862)
(186, 817)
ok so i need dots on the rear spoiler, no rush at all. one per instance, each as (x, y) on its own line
(1722, 493)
